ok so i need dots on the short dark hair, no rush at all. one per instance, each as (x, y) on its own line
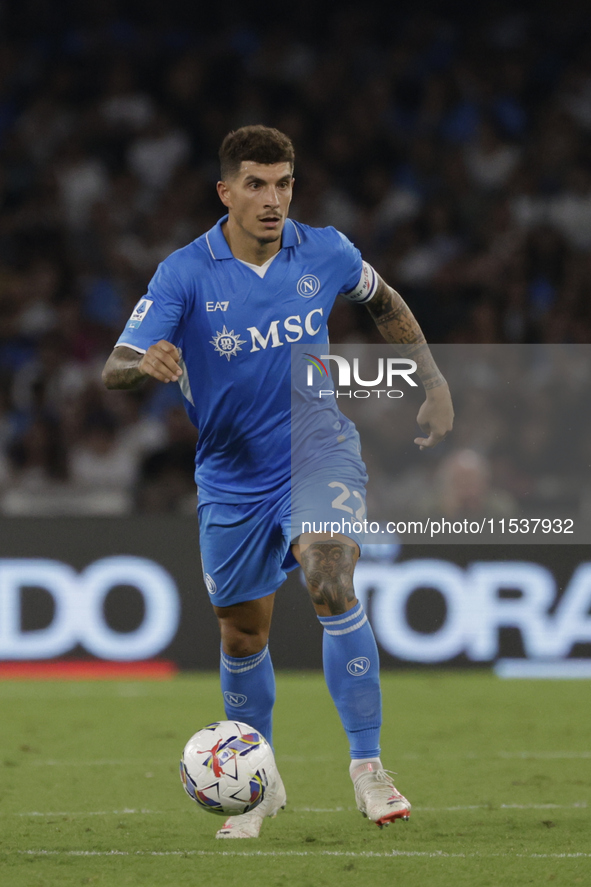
(260, 144)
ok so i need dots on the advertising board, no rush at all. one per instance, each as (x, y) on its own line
(132, 589)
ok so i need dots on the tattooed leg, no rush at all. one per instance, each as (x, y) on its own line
(328, 567)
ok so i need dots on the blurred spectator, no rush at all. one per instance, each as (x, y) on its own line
(155, 154)
(570, 210)
(489, 160)
(99, 458)
(124, 108)
(463, 489)
(82, 181)
(167, 475)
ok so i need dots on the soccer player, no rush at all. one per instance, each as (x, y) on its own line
(219, 317)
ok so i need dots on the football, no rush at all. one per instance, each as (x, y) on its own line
(226, 768)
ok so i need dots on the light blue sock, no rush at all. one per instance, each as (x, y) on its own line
(352, 672)
(248, 686)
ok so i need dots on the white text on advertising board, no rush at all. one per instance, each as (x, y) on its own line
(79, 616)
(475, 609)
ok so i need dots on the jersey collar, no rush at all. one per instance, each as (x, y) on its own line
(218, 245)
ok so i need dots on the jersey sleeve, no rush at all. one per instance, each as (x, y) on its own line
(158, 314)
(361, 280)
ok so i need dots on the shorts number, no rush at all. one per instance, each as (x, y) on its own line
(338, 501)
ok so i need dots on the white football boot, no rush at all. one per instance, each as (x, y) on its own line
(376, 795)
(248, 825)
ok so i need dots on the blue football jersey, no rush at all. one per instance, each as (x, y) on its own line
(234, 330)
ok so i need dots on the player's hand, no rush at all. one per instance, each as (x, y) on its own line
(435, 417)
(162, 362)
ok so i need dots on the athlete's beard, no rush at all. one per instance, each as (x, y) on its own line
(272, 238)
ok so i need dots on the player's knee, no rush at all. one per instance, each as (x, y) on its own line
(328, 601)
(239, 642)
(328, 568)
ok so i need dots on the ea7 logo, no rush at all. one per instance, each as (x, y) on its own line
(216, 306)
(235, 699)
(359, 666)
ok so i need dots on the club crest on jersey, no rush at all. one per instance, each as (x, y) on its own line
(139, 312)
(308, 286)
(227, 343)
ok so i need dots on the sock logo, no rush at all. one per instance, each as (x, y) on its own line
(235, 699)
(358, 666)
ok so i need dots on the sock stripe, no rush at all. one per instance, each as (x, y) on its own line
(240, 666)
(349, 629)
(332, 620)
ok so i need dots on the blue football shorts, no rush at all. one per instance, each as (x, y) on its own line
(245, 547)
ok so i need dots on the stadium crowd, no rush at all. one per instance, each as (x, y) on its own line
(454, 150)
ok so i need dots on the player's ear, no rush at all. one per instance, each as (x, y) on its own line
(223, 193)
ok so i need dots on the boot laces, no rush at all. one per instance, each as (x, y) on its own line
(379, 781)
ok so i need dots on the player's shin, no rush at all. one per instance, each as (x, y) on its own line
(351, 669)
(248, 686)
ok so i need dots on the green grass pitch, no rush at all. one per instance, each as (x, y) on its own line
(499, 774)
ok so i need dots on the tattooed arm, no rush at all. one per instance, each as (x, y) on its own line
(398, 325)
(127, 368)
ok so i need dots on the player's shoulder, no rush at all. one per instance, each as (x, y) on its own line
(187, 259)
(323, 238)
